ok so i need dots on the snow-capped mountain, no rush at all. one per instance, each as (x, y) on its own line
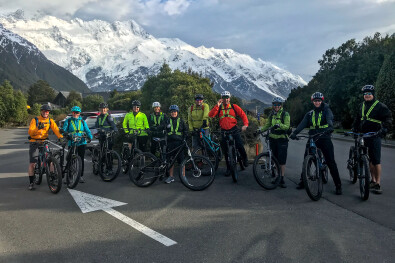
(122, 54)
(22, 63)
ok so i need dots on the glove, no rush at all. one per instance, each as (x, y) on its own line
(204, 124)
(88, 140)
(292, 136)
(63, 141)
(40, 125)
(276, 126)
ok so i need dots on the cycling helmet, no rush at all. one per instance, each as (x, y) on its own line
(156, 104)
(277, 100)
(199, 96)
(317, 96)
(136, 103)
(368, 88)
(103, 105)
(225, 94)
(174, 108)
(46, 107)
(76, 108)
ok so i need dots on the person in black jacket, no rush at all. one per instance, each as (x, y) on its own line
(320, 119)
(105, 121)
(157, 123)
(176, 132)
(373, 116)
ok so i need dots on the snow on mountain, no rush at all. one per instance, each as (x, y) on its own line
(122, 54)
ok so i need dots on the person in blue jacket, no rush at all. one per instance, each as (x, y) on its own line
(76, 125)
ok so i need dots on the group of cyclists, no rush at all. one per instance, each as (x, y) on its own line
(373, 116)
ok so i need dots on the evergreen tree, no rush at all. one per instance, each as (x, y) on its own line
(73, 95)
(20, 113)
(91, 102)
(40, 92)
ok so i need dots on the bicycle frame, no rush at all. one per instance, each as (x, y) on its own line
(207, 141)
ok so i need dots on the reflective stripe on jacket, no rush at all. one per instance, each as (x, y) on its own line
(138, 122)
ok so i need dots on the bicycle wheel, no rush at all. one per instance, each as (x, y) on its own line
(144, 169)
(95, 160)
(351, 166)
(109, 166)
(239, 160)
(200, 175)
(233, 163)
(208, 153)
(38, 175)
(324, 169)
(54, 175)
(268, 176)
(311, 178)
(74, 171)
(364, 177)
(125, 157)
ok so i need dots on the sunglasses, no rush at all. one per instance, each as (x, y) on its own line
(225, 97)
(136, 106)
(76, 112)
(317, 100)
(198, 99)
(367, 93)
(276, 104)
(46, 111)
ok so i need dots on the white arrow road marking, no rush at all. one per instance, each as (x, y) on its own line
(88, 203)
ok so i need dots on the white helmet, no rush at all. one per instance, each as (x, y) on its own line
(225, 94)
(156, 104)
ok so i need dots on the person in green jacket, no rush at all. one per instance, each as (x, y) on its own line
(278, 139)
(136, 120)
(198, 118)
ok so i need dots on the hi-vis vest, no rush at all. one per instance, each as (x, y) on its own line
(157, 121)
(225, 113)
(318, 124)
(172, 131)
(101, 121)
(363, 118)
(76, 129)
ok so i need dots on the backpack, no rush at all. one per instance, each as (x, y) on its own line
(282, 118)
(192, 107)
(37, 121)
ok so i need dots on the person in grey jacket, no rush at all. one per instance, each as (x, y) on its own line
(319, 120)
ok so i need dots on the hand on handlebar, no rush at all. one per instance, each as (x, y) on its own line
(244, 128)
(293, 136)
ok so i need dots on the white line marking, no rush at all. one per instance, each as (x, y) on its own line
(88, 203)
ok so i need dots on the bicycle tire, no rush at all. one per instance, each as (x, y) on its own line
(54, 177)
(74, 171)
(241, 163)
(312, 180)
(200, 176)
(38, 175)
(208, 153)
(95, 160)
(267, 177)
(351, 166)
(110, 160)
(144, 169)
(324, 171)
(364, 178)
(233, 163)
(125, 159)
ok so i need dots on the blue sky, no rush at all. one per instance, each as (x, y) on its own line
(291, 34)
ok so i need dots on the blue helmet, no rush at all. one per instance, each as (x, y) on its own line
(174, 108)
(76, 108)
(277, 100)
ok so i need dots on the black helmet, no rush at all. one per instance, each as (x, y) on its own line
(368, 88)
(199, 96)
(136, 103)
(174, 108)
(103, 105)
(317, 96)
(45, 107)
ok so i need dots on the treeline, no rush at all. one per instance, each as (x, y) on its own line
(12, 105)
(343, 72)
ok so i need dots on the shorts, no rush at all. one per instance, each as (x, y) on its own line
(33, 152)
(374, 149)
(173, 145)
(279, 148)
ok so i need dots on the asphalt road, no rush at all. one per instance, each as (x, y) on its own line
(225, 223)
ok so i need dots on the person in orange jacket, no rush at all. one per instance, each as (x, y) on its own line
(38, 130)
(227, 114)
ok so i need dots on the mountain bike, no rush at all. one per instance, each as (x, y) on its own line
(234, 156)
(106, 162)
(72, 169)
(210, 147)
(128, 154)
(315, 170)
(146, 168)
(266, 169)
(48, 164)
(358, 162)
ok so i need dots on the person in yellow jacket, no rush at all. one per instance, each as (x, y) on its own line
(198, 118)
(38, 130)
(136, 120)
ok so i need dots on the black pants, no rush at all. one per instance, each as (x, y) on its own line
(110, 143)
(326, 146)
(279, 148)
(155, 145)
(239, 146)
(81, 153)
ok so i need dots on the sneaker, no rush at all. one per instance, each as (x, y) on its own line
(338, 190)
(377, 189)
(300, 185)
(82, 180)
(372, 185)
(227, 173)
(282, 183)
(169, 180)
(31, 186)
